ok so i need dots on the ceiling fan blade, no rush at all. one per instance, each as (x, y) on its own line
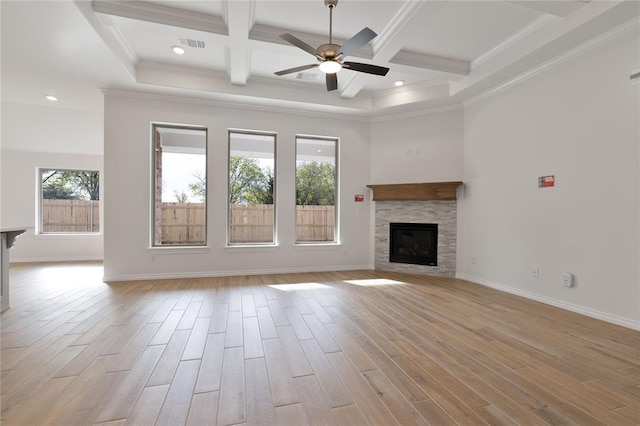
(299, 43)
(332, 82)
(357, 41)
(369, 69)
(296, 69)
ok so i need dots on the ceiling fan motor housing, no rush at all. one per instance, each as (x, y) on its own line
(329, 51)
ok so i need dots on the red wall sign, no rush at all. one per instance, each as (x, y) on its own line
(546, 181)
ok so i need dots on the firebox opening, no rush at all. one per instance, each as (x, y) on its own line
(415, 243)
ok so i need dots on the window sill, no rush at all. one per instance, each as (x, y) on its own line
(178, 250)
(317, 246)
(244, 248)
(65, 236)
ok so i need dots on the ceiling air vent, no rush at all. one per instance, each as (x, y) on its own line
(198, 44)
(305, 76)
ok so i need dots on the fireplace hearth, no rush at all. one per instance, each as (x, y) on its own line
(414, 243)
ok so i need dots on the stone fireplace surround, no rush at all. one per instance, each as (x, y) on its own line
(417, 203)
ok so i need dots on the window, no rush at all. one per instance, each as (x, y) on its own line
(179, 186)
(251, 187)
(316, 189)
(69, 201)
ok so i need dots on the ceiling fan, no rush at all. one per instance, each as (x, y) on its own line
(331, 56)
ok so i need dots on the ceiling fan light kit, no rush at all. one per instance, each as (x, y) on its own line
(331, 56)
(330, 67)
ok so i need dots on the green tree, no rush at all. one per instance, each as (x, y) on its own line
(71, 184)
(264, 195)
(248, 182)
(315, 184)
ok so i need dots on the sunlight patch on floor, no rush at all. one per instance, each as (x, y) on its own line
(71, 275)
(298, 286)
(374, 282)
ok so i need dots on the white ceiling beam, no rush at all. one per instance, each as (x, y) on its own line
(560, 8)
(544, 44)
(412, 15)
(272, 92)
(110, 36)
(240, 17)
(431, 62)
(270, 36)
(160, 14)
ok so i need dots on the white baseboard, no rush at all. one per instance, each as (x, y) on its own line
(614, 319)
(205, 274)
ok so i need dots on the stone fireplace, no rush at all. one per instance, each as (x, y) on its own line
(421, 203)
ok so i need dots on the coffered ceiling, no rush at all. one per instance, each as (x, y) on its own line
(445, 52)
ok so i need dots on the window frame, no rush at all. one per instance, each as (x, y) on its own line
(153, 201)
(336, 152)
(39, 228)
(274, 240)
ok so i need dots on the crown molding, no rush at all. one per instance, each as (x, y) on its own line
(616, 32)
(259, 90)
(418, 112)
(244, 106)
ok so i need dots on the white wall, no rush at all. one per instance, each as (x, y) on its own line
(422, 147)
(580, 122)
(127, 191)
(55, 129)
(39, 136)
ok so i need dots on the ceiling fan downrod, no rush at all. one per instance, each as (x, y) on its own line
(331, 4)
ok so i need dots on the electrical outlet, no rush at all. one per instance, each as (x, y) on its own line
(535, 272)
(567, 279)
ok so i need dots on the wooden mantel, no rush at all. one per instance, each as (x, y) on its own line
(415, 191)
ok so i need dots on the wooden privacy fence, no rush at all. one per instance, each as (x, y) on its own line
(251, 224)
(315, 223)
(184, 223)
(70, 216)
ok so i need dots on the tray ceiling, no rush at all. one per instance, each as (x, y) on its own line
(446, 52)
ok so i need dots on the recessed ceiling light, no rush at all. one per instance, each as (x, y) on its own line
(51, 98)
(178, 50)
(399, 83)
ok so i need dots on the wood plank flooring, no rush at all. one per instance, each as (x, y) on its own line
(340, 348)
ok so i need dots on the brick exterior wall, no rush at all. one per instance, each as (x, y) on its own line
(444, 213)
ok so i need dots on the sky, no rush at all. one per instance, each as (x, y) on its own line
(178, 171)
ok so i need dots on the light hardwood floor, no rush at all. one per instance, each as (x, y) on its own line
(344, 348)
